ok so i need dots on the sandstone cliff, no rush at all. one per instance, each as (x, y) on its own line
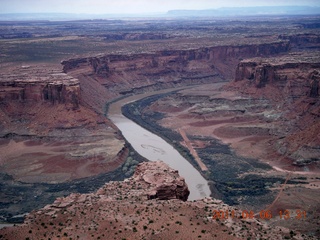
(297, 73)
(291, 82)
(39, 85)
(42, 105)
(127, 73)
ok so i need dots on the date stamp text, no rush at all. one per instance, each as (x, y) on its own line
(263, 214)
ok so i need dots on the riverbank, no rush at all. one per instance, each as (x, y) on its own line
(234, 179)
(134, 110)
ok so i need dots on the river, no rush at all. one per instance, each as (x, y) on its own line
(154, 148)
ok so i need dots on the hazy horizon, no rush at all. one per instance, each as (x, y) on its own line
(134, 7)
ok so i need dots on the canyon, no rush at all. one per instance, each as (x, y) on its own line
(244, 100)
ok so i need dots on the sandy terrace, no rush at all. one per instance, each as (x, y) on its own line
(55, 161)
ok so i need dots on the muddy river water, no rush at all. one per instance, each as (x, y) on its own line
(155, 148)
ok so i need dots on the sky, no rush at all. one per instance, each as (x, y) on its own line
(134, 6)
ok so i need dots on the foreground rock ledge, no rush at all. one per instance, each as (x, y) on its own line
(145, 206)
(164, 182)
(151, 180)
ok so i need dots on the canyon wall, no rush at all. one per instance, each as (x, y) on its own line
(32, 85)
(306, 40)
(292, 83)
(296, 74)
(125, 73)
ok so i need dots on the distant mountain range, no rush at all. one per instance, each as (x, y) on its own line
(249, 11)
(220, 12)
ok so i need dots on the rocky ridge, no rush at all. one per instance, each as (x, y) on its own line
(131, 210)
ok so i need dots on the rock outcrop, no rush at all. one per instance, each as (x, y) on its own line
(124, 210)
(151, 180)
(27, 84)
(164, 182)
(296, 74)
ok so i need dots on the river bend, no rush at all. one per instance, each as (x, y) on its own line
(154, 148)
